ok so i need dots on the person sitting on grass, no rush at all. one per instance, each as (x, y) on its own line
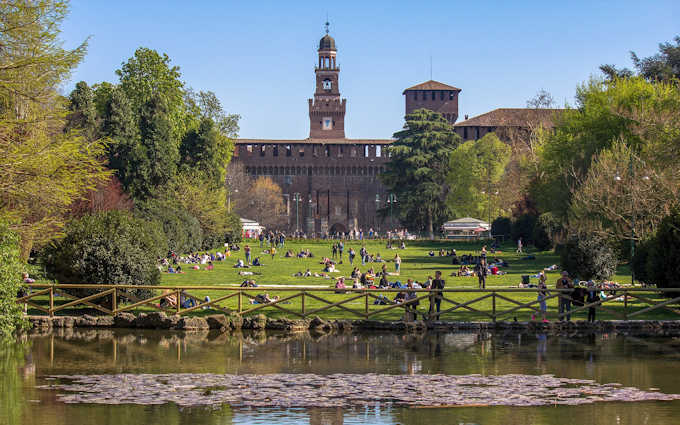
(240, 264)
(355, 273)
(384, 283)
(256, 262)
(171, 270)
(403, 245)
(356, 284)
(209, 266)
(340, 284)
(264, 299)
(169, 300)
(289, 254)
(431, 253)
(248, 283)
(400, 297)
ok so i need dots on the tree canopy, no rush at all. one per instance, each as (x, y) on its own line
(418, 166)
(476, 167)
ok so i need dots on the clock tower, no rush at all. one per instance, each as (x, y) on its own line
(327, 109)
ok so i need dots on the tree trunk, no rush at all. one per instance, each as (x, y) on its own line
(430, 229)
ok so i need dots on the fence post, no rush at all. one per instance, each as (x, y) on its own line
(114, 301)
(366, 304)
(178, 300)
(625, 305)
(303, 304)
(239, 301)
(493, 306)
(51, 300)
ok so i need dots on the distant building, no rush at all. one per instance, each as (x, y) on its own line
(466, 228)
(329, 183)
(507, 123)
(435, 96)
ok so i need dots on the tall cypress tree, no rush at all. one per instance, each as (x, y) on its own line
(418, 166)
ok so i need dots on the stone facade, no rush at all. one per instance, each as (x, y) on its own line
(328, 185)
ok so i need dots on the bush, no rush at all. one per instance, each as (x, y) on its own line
(502, 226)
(523, 228)
(541, 238)
(640, 260)
(217, 240)
(106, 248)
(182, 230)
(10, 282)
(663, 267)
(588, 257)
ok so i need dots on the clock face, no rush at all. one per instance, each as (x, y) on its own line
(327, 84)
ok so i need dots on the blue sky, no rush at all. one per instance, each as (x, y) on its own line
(259, 56)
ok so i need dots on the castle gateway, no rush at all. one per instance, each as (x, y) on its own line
(329, 183)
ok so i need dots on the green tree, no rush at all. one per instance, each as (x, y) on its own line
(475, 168)
(42, 168)
(418, 167)
(640, 114)
(663, 268)
(207, 150)
(152, 162)
(663, 66)
(83, 111)
(149, 77)
(10, 282)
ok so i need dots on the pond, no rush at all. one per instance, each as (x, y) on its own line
(176, 378)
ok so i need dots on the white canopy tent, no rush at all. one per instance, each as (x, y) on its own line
(466, 228)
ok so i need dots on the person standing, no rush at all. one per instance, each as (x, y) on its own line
(565, 297)
(334, 250)
(272, 251)
(592, 296)
(481, 271)
(437, 285)
(351, 255)
(261, 238)
(341, 248)
(519, 245)
(397, 263)
(542, 295)
(246, 250)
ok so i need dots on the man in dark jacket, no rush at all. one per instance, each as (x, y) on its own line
(481, 272)
(436, 296)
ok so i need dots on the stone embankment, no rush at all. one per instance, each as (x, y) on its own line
(226, 323)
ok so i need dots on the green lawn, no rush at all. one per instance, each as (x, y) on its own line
(416, 264)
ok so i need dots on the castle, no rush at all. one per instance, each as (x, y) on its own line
(330, 183)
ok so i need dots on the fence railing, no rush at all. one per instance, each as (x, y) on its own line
(455, 304)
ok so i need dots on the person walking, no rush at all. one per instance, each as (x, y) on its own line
(565, 297)
(437, 285)
(397, 263)
(481, 271)
(272, 251)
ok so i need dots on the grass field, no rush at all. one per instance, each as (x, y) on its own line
(416, 264)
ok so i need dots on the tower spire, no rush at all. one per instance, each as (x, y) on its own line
(327, 23)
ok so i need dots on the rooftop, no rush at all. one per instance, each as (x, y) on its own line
(431, 85)
(512, 117)
(314, 141)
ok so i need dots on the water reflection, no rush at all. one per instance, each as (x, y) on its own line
(640, 362)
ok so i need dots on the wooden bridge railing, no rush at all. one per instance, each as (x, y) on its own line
(503, 301)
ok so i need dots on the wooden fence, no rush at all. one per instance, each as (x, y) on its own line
(492, 304)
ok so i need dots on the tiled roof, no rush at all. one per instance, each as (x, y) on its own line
(512, 117)
(314, 141)
(431, 85)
